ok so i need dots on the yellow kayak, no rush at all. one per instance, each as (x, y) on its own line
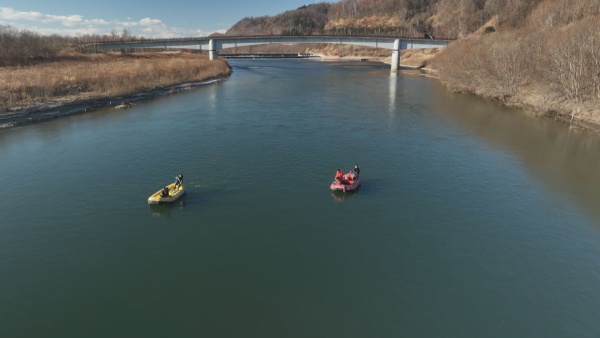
(166, 197)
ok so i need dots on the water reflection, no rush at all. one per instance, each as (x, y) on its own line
(165, 210)
(340, 196)
(563, 158)
(212, 98)
(392, 101)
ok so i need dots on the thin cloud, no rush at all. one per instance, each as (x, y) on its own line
(150, 22)
(66, 20)
(75, 25)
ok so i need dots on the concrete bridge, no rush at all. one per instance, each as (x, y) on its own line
(213, 44)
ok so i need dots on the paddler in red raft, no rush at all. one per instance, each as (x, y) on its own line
(346, 182)
(339, 176)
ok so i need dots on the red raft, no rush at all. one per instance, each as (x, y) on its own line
(349, 182)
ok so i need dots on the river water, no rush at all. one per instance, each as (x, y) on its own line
(473, 220)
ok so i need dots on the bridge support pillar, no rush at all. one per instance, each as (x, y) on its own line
(396, 56)
(212, 50)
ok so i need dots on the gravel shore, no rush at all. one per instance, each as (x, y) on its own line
(69, 106)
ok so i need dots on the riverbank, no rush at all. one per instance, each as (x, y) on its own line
(27, 111)
(79, 104)
(110, 68)
(543, 71)
(83, 83)
(540, 98)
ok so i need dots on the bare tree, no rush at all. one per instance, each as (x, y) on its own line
(126, 34)
(351, 7)
(24, 47)
(593, 40)
(114, 34)
(508, 61)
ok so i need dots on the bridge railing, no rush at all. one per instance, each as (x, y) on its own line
(215, 43)
(242, 37)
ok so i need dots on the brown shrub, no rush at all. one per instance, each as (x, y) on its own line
(562, 62)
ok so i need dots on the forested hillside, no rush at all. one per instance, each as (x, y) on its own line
(441, 18)
(306, 20)
(540, 54)
(548, 60)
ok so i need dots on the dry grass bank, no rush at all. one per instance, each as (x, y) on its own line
(544, 67)
(102, 76)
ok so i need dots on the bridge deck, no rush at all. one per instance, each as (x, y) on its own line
(204, 43)
(214, 44)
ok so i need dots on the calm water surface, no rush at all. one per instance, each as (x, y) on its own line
(473, 220)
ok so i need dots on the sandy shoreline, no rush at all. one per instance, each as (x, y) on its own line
(51, 110)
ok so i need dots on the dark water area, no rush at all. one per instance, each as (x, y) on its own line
(473, 220)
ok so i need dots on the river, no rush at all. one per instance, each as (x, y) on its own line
(473, 220)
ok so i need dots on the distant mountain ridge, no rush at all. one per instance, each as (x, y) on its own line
(443, 18)
(306, 20)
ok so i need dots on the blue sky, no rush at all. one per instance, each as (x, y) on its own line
(149, 18)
